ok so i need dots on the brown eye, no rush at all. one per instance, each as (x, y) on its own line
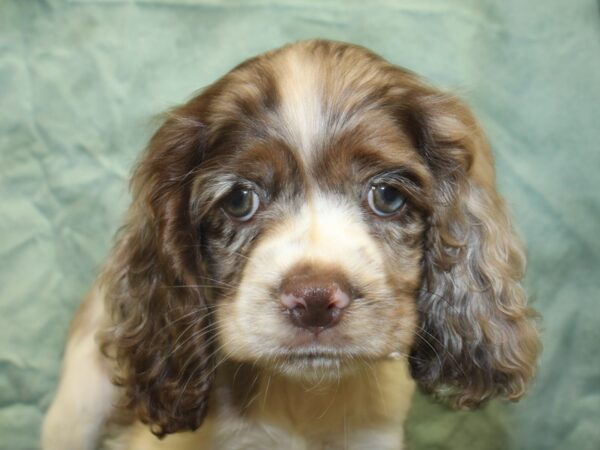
(241, 203)
(385, 200)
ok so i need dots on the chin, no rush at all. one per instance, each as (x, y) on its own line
(316, 368)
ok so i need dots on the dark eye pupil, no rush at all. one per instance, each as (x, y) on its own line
(388, 195)
(386, 199)
(239, 202)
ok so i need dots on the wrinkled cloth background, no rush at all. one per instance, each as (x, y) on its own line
(81, 80)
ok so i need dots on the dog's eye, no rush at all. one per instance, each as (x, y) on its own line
(385, 200)
(241, 203)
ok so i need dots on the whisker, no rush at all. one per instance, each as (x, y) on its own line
(168, 324)
(213, 327)
(457, 365)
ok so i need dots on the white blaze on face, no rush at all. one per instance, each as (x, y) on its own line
(301, 87)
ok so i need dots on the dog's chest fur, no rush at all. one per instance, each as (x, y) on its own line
(258, 411)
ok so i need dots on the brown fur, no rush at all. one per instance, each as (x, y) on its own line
(447, 289)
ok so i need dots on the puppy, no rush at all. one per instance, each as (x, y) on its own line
(309, 235)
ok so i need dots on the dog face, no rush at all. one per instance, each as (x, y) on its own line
(315, 210)
(315, 235)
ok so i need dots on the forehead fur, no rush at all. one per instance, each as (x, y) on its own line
(326, 90)
(318, 101)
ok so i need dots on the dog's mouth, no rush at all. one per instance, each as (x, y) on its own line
(314, 363)
(315, 356)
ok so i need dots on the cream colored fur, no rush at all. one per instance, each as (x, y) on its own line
(85, 394)
(363, 412)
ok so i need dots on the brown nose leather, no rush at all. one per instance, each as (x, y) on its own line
(315, 299)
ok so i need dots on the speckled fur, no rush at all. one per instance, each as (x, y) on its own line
(186, 314)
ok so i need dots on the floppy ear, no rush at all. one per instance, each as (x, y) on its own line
(476, 339)
(159, 334)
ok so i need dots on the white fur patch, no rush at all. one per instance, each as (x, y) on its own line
(302, 112)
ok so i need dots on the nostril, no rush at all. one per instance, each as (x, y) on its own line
(339, 298)
(297, 313)
(291, 301)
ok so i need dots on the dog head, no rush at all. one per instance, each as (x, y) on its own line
(314, 210)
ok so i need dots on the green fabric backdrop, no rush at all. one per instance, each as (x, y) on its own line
(81, 80)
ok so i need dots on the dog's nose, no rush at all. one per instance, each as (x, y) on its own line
(315, 299)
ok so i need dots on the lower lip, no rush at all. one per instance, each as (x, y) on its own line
(316, 360)
(293, 357)
(326, 362)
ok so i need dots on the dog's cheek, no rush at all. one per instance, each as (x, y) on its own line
(402, 243)
(225, 247)
(229, 247)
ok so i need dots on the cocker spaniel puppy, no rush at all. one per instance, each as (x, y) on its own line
(309, 235)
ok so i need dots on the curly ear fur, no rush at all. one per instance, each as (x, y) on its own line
(476, 338)
(159, 336)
